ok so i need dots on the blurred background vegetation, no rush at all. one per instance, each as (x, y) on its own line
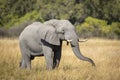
(92, 18)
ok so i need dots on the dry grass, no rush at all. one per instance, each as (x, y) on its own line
(105, 53)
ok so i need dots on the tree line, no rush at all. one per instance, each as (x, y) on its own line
(19, 13)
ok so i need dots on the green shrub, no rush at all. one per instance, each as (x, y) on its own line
(31, 16)
(116, 27)
(34, 15)
(93, 27)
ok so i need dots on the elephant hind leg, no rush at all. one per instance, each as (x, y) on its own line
(26, 60)
(23, 64)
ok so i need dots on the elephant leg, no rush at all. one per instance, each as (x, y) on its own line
(48, 53)
(56, 60)
(23, 64)
(57, 57)
(26, 61)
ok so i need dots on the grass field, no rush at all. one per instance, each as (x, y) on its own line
(105, 53)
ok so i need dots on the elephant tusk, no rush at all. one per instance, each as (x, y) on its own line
(69, 40)
(83, 40)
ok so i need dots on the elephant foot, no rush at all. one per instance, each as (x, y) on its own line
(49, 68)
(56, 64)
(22, 65)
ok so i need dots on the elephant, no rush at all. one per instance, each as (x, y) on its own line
(45, 39)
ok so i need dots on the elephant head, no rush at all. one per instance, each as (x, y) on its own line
(64, 30)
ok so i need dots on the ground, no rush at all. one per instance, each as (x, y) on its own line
(105, 53)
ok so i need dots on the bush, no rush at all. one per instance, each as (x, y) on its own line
(21, 23)
(31, 16)
(3, 32)
(93, 27)
(16, 30)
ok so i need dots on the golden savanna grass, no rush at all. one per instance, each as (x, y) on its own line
(105, 53)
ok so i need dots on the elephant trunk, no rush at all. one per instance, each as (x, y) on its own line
(77, 52)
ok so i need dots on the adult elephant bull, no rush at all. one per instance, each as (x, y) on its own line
(46, 38)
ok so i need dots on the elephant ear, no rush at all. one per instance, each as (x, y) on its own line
(52, 37)
(52, 22)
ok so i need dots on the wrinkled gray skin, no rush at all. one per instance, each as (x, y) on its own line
(46, 38)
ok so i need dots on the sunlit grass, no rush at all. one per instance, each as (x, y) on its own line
(105, 53)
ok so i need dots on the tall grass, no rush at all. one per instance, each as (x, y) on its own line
(105, 53)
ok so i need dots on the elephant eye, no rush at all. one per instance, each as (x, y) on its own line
(61, 32)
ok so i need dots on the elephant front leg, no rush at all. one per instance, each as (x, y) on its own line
(48, 53)
(57, 57)
(56, 63)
